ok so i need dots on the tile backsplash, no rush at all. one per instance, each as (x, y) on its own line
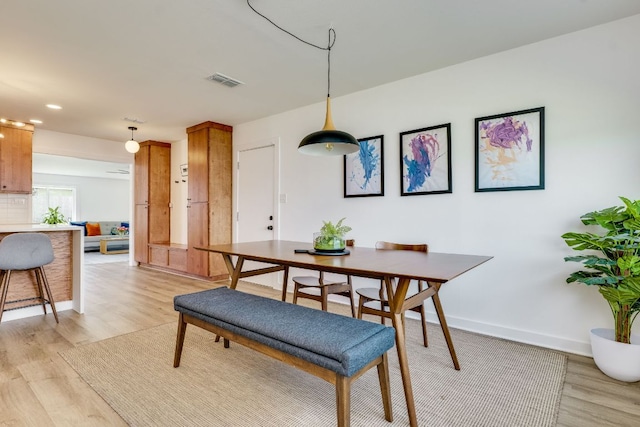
(15, 209)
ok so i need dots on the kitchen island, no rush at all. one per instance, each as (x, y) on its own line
(64, 274)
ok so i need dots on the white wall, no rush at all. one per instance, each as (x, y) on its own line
(588, 83)
(97, 199)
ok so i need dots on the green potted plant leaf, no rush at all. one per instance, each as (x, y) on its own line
(54, 216)
(331, 237)
(613, 265)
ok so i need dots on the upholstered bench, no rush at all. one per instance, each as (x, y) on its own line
(335, 348)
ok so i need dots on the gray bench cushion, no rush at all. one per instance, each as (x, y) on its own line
(338, 343)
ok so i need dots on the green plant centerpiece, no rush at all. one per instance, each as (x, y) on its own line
(331, 237)
(54, 216)
(615, 268)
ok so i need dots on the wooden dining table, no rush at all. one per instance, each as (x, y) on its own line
(395, 268)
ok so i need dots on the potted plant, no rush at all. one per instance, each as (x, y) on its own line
(331, 237)
(613, 265)
(54, 216)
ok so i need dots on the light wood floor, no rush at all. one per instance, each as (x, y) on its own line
(38, 388)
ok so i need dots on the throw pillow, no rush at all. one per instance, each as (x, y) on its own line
(82, 224)
(93, 229)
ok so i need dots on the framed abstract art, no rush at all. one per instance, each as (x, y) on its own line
(425, 160)
(364, 169)
(509, 151)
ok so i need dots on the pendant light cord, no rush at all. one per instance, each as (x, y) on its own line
(330, 43)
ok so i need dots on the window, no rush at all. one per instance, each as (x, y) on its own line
(44, 198)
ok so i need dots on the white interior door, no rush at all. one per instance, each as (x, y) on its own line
(256, 219)
(256, 188)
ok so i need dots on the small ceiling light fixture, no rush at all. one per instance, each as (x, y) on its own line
(36, 121)
(328, 141)
(132, 145)
(54, 107)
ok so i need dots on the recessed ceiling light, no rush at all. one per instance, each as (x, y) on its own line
(3, 120)
(54, 107)
(19, 124)
(36, 121)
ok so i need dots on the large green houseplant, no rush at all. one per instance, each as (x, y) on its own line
(615, 265)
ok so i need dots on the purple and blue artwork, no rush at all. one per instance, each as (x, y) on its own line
(364, 169)
(425, 161)
(508, 150)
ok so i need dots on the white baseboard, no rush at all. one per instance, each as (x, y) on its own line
(35, 310)
(511, 334)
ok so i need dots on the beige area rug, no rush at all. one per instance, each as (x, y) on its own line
(501, 383)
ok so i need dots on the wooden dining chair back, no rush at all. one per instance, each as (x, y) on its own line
(318, 289)
(374, 300)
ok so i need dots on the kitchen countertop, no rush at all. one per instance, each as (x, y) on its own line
(16, 228)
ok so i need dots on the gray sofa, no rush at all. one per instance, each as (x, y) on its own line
(107, 229)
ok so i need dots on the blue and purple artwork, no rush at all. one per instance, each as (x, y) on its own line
(363, 170)
(425, 160)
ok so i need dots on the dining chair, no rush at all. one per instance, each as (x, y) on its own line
(23, 252)
(318, 289)
(374, 300)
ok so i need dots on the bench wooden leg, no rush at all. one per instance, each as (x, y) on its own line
(385, 387)
(343, 400)
(182, 328)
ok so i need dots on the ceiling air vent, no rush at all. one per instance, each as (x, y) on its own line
(225, 80)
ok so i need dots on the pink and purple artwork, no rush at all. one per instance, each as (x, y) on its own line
(510, 151)
(426, 160)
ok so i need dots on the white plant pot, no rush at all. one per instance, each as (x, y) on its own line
(615, 359)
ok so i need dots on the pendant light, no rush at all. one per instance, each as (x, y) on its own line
(329, 141)
(132, 145)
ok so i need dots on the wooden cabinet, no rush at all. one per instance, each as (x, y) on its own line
(209, 200)
(171, 256)
(16, 159)
(152, 196)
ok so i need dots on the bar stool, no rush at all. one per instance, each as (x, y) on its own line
(26, 251)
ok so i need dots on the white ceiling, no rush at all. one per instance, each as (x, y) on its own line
(149, 59)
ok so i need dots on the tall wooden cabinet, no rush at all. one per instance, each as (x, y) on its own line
(209, 199)
(152, 196)
(16, 159)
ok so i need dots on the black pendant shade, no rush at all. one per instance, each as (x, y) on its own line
(328, 141)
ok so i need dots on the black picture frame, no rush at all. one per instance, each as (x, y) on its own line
(509, 151)
(425, 161)
(364, 169)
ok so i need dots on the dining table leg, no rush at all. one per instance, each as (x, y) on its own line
(234, 270)
(443, 324)
(285, 281)
(395, 305)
